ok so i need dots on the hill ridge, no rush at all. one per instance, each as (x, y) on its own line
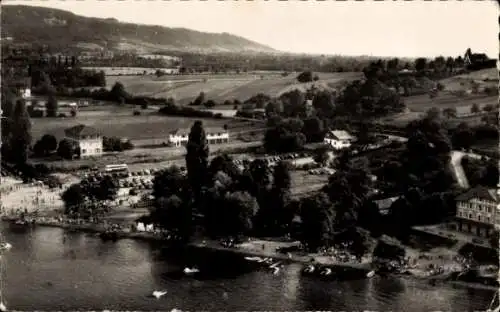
(59, 28)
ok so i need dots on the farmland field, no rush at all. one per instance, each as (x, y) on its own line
(143, 129)
(486, 77)
(421, 103)
(224, 87)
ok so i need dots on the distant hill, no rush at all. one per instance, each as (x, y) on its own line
(60, 29)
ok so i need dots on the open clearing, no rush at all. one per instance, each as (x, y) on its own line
(219, 88)
(485, 77)
(421, 103)
(142, 130)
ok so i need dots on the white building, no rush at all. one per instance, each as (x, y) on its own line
(25, 93)
(88, 139)
(179, 137)
(478, 211)
(339, 139)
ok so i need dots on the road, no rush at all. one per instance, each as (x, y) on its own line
(456, 164)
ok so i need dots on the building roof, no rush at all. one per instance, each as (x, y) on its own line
(385, 203)
(341, 135)
(208, 130)
(80, 130)
(480, 192)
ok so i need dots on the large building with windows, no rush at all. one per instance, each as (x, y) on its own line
(87, 139)
(478, 211)
(180, 137)
(339, 139)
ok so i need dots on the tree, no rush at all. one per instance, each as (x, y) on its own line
(321, 156)
(105, 189)
(389, 249)
(306, 76)
(240, 208)
(488, 108)
(169, 182)
(73, 198)
(475, 109)
(314, 129)
(20, 133)
(52, 106)
(273, 217)
(433, 113)
(463, 136)
(118, 93)
(420, 64)
(450, 112)
(47, 144)
(317, 221)
(171, 214)
(197, 158)
(200, 99)
(209, 104)
(324, 103)
(66, 149)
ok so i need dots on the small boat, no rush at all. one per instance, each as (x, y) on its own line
(189, 271)
(276, 270)
(310, 269)
(327, 272)
(274, 265)
(254, 259)
(157, 294)
(370, 274)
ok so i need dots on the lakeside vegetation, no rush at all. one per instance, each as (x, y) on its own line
(256, 200)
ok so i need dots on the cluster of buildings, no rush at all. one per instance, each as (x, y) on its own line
(90, 141)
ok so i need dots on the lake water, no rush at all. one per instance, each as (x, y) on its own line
(50, 269)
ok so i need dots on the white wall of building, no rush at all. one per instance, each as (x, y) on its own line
(479, 210)
(25, 93)
(213, 138)
(89, 147)
(337, 144)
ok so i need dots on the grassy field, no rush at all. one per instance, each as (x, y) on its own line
(485, 77)
(120, 122)
(421, 103)
(219, 88)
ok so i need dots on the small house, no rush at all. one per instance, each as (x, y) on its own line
(339, 139)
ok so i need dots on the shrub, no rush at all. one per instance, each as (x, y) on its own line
(306, 76)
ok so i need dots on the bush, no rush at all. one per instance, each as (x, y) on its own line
(306, 76)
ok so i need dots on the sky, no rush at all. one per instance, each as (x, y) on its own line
(386, 28)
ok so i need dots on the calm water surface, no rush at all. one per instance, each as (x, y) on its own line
(49, 269)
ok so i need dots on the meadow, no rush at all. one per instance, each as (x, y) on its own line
(221, 87)
(421, 103)
(146, 129)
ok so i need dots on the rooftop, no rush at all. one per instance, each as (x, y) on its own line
(480, 192)
(386, 203)
(81, 130)
(341, 135)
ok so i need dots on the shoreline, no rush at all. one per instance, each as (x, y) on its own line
(214, 246)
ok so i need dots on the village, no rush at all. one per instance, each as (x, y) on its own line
(198, 168)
